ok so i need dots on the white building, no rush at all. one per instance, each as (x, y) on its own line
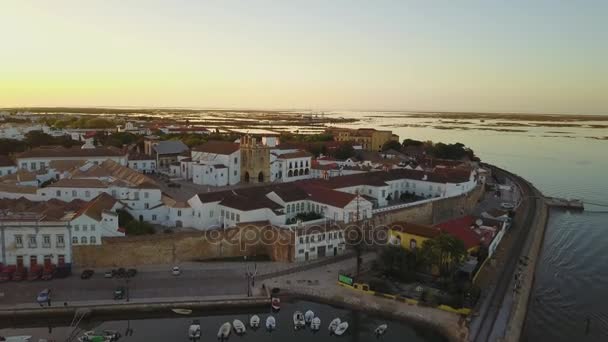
(289, 165)
(216, 163)
(39, 158)
(141, 163)
(96, 220)
(318, 241)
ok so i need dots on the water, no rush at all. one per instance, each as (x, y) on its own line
(175, 327)
(572, 277)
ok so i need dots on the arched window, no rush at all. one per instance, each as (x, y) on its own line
(301, 164)
(261, 177)
(301, 172)
(83, 240)
(290, 165)
(306, 171)
(75, 240)
(306, 162)
(93, 240)
(289, 173)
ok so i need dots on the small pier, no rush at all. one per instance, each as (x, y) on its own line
(571, 204)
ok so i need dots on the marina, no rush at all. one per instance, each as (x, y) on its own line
(353, 325)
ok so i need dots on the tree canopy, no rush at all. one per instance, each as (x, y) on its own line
(444, 252)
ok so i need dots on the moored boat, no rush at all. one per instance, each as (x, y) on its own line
(224, 331)
(275, 303)
(182, 311)
(239, 327)
(334, 324)
(271, 323)
(194, 331)
(308, 316)
(254, 322)
(341, 329)
(381, 329)
(21, 338)
(315, 324)
(298, 320)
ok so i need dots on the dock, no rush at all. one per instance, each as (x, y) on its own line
(572, 204)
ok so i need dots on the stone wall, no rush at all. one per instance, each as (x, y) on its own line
(432, 212)
(244, 240)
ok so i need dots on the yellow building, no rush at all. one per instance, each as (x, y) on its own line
(410, 235)
(369, 138)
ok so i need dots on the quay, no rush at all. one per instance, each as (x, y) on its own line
(572, 204)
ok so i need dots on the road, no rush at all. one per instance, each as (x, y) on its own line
(495, 310)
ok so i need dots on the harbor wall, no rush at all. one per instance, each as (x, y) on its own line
(245, 240)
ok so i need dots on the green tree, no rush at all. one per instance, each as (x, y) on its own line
(136, 227)
(398, 262)
(444, 252)
(344, 151)
(412, 142)
(391, 145)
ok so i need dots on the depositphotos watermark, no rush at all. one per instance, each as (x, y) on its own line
(246, 236)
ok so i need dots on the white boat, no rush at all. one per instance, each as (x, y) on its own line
(224, 331)
(381, 329)
(341, 329)
(315, 324)
(182, 311)
(308, 316)
(194, 331)
(239, 326)
(22, 338)
(271, 323)
(275, 304)
(298, 320)
(254, 322)
(333, 325)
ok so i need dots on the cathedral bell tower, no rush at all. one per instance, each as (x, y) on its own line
(255, 160)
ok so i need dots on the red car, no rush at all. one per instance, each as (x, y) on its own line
(20, 274)
(35, 273)
(7, 273)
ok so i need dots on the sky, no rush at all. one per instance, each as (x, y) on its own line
(533, 56)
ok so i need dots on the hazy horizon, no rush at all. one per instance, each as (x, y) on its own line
(480, 56)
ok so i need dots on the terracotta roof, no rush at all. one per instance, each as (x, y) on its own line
(218, 147)
(77, 183)
(330, 197)
(172, 203)
(24, 209)
(6, 161)
(139, 156)
(98, 205)
(19, 189)
(298, 154)
(72, 152)
(415, 229)
(20, 175)
(65, 165)
(461, 229)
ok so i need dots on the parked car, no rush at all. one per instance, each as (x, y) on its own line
(119, 293)
(7, 273)
(48, 273)
(20, 274)
(121, 273)
(109, 274)
(131, 272)
(44, 296)
(176, 271)
(506, 205)
(35, 273)
(86, 274)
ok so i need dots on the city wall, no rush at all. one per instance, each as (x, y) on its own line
(244, 240)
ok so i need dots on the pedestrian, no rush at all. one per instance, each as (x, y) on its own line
(49, 301)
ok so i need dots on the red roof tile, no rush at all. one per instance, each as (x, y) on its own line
(461, 229)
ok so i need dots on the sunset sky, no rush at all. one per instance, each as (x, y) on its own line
(499, 56)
